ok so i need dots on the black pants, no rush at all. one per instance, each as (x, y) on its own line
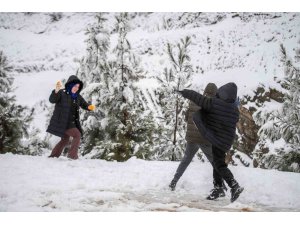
(221, 170)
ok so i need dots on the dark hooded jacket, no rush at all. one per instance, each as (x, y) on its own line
(218, 116)
(66, 107)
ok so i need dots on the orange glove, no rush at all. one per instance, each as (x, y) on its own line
(91, 107)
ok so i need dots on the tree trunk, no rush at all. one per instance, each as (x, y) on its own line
(175, 130)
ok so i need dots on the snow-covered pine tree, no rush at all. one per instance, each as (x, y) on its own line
(174, 107)
(14, 119)
(127, 126)
(93, 72)
(283, 123)
(135, 123)
(91, 66)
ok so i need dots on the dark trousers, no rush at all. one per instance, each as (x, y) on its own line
(190, 151)
(221, 170)
(73, 152)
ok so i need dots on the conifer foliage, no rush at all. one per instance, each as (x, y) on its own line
(173, 106)
(124, 127)
(14, 118)
(283, 123)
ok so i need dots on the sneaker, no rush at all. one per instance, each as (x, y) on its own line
(215, 193)
(236, 190)
(172, 185)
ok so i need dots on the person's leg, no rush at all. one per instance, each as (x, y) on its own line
(190, 151)
(220, 172)
(75, 133)
(222, 169)
(207, 150)
(67, 148)
(56, 152)
(217, 179)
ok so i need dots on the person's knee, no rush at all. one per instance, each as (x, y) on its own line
(76, 134)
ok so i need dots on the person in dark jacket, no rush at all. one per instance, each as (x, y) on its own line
(65, 122)
(195, 141)
(216, 121)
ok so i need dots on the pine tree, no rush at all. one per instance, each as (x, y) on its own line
(173, 106)
(126, 126)
(283, 123)
(14, 119)
(92, 72)
(135, 123)
(92, 65)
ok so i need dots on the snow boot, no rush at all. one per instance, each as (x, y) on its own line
(172, 185)
(217, 185)
(215, 193)
(236, 190)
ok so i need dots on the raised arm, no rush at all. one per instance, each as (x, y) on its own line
(56, 93)
(55, 97)
(204, 102)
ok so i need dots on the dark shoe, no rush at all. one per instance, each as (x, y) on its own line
(172, 185)
(236, 190)
(215, 193)
(218, 185)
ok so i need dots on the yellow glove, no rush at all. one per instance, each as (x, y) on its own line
(58, 86)
(91, 107)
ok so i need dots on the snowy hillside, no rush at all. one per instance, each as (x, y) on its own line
(40, 184)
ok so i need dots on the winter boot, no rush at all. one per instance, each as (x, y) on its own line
(172, 185)
(236, 190)
(216, 185)
(215, 193)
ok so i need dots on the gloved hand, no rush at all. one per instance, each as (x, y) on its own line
(91, 107)
(58, 86)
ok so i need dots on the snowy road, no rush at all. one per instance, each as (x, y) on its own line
(40, 184)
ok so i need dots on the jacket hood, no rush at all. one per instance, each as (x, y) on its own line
(74, 79)
(210, 90)
(228, 92)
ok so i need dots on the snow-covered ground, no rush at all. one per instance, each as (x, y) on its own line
(31, 183)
